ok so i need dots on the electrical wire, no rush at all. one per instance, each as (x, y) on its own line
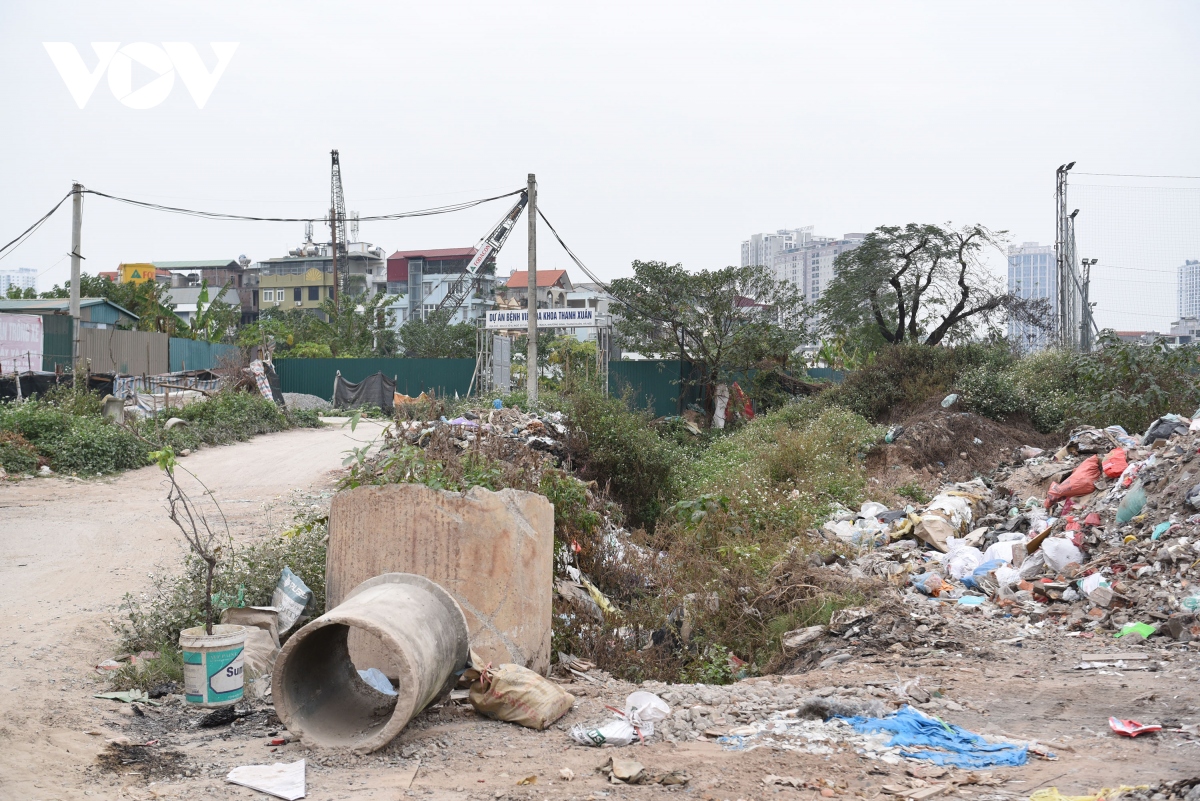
(1130, 175)
(213, 215)
(594, 277)
(28, 232)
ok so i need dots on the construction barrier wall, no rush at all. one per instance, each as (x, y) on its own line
(413, 376)
(652, 384)
(57, 330)
(195, 354)
(111, 350)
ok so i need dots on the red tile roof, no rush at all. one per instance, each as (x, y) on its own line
(545, 278)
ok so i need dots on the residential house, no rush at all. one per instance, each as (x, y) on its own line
(425, 277)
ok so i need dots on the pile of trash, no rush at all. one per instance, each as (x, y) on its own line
(1102, 536)
(546, 432)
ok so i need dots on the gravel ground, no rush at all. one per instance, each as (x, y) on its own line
(299, 400)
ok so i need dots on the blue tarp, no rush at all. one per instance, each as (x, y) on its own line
(955, 745)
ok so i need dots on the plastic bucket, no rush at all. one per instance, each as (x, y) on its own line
(212, 665)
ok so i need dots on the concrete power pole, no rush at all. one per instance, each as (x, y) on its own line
(76, 229)
(531, 379)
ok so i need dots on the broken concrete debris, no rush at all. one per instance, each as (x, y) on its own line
(492, 551)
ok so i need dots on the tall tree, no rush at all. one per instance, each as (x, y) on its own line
(436, 339)
(727, 320)
(923, 284)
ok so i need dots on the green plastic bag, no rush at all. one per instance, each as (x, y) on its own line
(1144, 629)
(1132, 504)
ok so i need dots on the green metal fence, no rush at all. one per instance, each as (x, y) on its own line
(57, 333)
(413, 376)
(651, 384)
(195, 354)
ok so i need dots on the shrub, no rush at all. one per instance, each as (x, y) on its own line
(619, 449)
(905, 376)
(16, 454)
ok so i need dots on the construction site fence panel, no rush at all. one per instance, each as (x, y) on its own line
(57, 332)
(413, 376)
(196, 354)
(653, 384)
(111, 350)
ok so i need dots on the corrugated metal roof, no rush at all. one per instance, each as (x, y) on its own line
(53, 305)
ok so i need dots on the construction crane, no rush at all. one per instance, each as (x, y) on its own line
(487, 248)
(337, 225)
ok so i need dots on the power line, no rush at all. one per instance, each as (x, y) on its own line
(28, 232)
(213, 215)
(1133, 175)
(593, 276)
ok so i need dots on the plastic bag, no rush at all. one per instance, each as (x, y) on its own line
(642, 711)
(1080, 482)
(930, 583)
(1060, 553)
(961, 560)
(1115, 463)
(982, 570)
(1132, 504)
(291, 596)
(518, 695)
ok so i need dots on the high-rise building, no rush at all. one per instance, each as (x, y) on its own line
(21, 277)
(761, 249)
(1189, 289)
(1032, 274)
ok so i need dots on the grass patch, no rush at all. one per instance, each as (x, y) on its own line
(914, 492)
(146, 674)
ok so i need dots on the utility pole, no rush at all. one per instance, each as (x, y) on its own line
(531, 379)
(76, 229)
(1085, 323)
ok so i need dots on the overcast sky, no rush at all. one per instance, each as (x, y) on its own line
(667, 131)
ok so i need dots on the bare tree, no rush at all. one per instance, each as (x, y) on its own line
(193, 524)
(924, 284)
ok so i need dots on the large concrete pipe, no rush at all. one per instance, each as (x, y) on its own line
(318, 692)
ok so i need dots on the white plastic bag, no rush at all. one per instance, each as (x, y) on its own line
(961, 559)
(642, 711)
(1060, 553)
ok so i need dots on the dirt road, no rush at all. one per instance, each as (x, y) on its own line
(70, 550)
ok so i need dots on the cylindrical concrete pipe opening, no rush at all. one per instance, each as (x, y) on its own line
(319, 695)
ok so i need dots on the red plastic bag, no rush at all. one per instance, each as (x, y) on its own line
(1081, 482)
(1131, 728)
(1115, 463)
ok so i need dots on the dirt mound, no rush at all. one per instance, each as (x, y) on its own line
(932, 446)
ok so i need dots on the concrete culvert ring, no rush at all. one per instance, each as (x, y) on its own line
(318, 692)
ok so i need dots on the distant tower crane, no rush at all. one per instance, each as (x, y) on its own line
(337, 225)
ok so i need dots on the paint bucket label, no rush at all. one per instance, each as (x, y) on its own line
(193, 677)
(225, 675)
